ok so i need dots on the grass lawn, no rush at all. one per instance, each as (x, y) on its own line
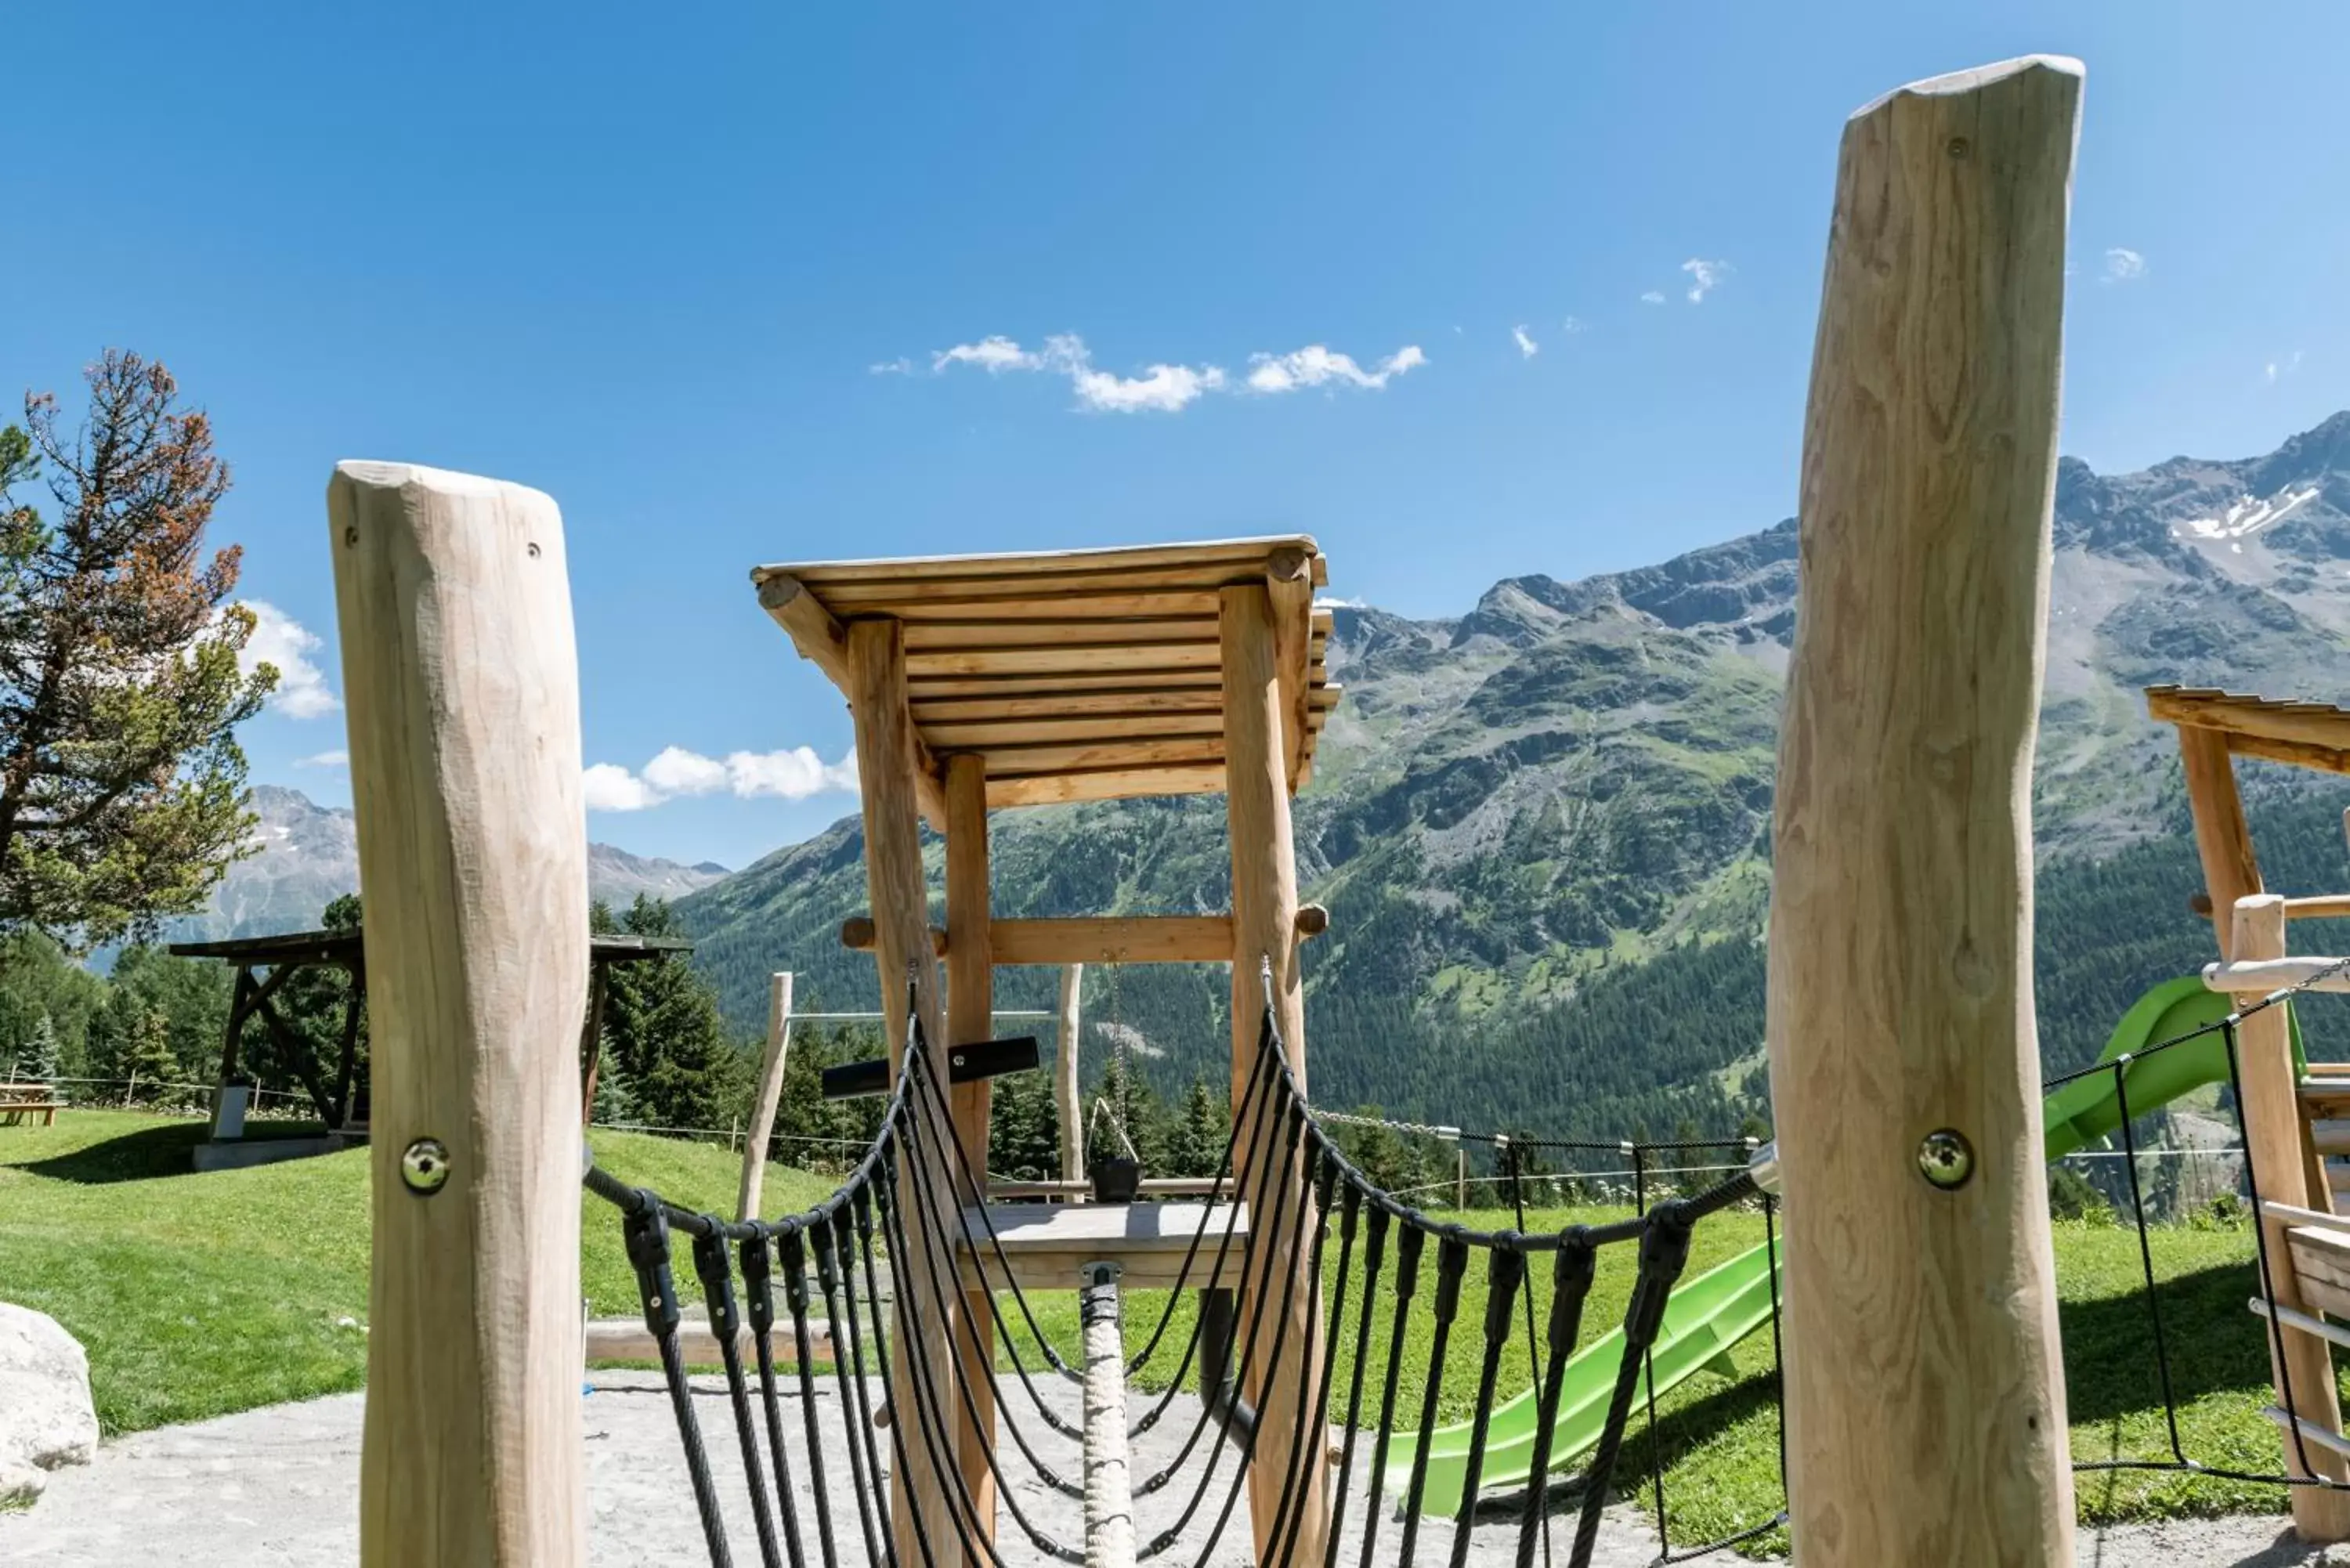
(198, 1295)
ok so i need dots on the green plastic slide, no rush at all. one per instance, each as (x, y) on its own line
(1722, 1306)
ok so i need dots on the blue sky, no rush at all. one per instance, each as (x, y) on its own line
(691, 272)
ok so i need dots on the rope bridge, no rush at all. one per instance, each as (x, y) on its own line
(1384, 1282)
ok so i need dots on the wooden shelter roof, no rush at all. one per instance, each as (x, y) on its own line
(2306, 734)
(1076, 674)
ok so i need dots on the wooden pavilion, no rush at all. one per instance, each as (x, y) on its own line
(982, 682)
(265, 963)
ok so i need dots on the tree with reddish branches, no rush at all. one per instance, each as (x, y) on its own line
(122, 795)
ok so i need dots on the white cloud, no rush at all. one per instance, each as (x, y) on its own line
(676, 771)
(1654, 297)
(280, 641)
(1332, 601)
(1316, 365)
(1705, 277)
(2122, 265)
(1527, 346)
(1169, 388)
(2278, 369)
(325, 760)
(1572, 325)
(795, 772)
(900, 365)
(994, 355)
(608, 787)
(1161, 389)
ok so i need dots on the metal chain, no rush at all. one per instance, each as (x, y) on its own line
(1426, 1129)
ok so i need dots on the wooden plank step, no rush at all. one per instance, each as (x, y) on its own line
(2329, 1135)
(1047, 1244)
(2338, 1177)
(2319, 1257)
(2318, 1092)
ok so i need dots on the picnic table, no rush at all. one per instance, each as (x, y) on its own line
(18, 1101)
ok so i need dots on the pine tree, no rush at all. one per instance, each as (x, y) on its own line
(615, 1101)
(1024, 1134)
(662, 1024)
(149, 1059)
(39, 1061)
(121, 784)
(1196, 1148)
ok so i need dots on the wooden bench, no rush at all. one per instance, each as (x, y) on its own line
(1045, 1246)
(18, 1101)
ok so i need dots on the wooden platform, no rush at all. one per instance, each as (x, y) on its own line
(1045, 1245)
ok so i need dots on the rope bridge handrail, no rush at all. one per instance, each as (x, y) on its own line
(1295, 1185)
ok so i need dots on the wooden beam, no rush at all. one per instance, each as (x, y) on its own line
(1289, 583)
(2254, 977)
(1012, 763)
(1064, 1074)
(886, 771)
(1107, 783)
(2315, 907)
(2222, 841)
(1053, 659)
(1098, 939)
(591, 1039)
(1264, 932)
(770, 1095)
(2294, 753)
(1025, 604)
(970, 1018)
(1237, 555)
(823, 642)
(935, 635)
(462, 691)
(1924, 1389)
(2320, 725)
(1095, 729)
(2271, 1111)
(1116, 939)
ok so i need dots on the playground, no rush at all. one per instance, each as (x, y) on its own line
(1862, 1343)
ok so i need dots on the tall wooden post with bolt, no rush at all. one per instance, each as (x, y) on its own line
(463, 691)
(1925, 1394)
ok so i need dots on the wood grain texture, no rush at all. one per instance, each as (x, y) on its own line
(770, 1095)
(971, 1017)
(1924, 1390)
(2222, 840)
(1117, 939)
(2272, 1116)
(2321, 725)
(886, 769)
(823, 641)
(463, 687)
(1265, 931)
(1108, 784)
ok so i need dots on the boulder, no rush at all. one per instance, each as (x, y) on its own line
(47, 1420)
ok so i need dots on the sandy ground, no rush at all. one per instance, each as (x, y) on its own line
(278, 1487)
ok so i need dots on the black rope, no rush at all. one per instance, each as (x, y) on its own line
(1451, 1261)
(646, 1231)
(1573, 1268)
(791, 1252)
(1408, 1245)
(1533, 1359)
(858, 1415)
(718, 1298)
(1504, 1269)
(1664, 1253)
(827, 1280)
(1374, 1237)
(758, 1287)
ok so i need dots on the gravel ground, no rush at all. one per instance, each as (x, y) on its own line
(278, 1487)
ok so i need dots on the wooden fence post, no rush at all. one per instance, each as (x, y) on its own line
(1065, 1075)
(1926, 1418)
(463, 691)
(771, 1093)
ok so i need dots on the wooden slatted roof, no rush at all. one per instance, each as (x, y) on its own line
(1078, 674)
(2307, 734)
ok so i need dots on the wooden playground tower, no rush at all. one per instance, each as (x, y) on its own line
(980, 682)
(2292, 1114)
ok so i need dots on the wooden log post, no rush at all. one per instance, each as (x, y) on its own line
(1064, 1074)
(886, 771)
(970, 1018)
(2222, 840)
(1264, 928)
(1925, 1400)
(770, 1095)
(463, 691)
(2272, 1141)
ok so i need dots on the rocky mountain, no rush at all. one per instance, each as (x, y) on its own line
(1572, 781)
(309, 854)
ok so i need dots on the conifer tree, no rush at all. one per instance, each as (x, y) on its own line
(662, 1024)
(1196, 1146)
(39, 1060)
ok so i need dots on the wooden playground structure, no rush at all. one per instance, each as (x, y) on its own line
(1925, 1402)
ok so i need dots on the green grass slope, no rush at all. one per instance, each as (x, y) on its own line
(198, 1295)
